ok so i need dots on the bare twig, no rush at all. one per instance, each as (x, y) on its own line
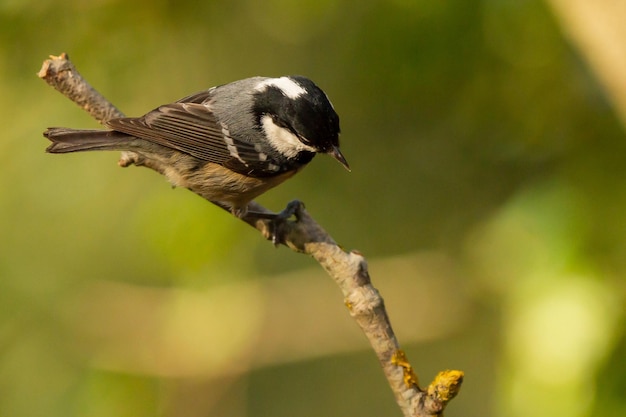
(61, 74)
(304, 235)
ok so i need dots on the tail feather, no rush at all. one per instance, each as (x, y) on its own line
(66, 140)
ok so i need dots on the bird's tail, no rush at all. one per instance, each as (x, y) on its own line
(66, 140)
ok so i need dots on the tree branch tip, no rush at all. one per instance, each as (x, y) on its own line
(62, 60)
(446, 385)
(45, 69)
(63, 56)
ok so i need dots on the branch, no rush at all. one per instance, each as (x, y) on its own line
(303, 235)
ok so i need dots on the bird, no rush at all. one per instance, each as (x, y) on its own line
(228, 144)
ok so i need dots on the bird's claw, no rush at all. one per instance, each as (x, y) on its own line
(276, 224)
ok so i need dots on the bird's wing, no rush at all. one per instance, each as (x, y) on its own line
(192, 128)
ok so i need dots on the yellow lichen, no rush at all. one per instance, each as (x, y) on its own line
(446, 385)
(399, 359)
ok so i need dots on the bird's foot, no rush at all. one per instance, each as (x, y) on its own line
(277, 222)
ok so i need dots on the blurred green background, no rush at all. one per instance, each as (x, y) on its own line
(488, 192)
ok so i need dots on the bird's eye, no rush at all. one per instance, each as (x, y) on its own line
(304, 140)
(279, 122)
(282, 123)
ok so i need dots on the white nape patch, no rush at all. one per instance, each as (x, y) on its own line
(282, 139)
(289, 87)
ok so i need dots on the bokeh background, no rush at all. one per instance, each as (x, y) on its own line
(488, 192)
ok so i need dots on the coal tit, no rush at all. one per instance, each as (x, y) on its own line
(229, 144)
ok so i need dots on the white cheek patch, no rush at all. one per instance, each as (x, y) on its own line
(288, 86)
(282, 139)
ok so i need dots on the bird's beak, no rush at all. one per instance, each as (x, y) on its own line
(336, 153)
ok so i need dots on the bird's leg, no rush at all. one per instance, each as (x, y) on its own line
(276, 221)
(294, 208)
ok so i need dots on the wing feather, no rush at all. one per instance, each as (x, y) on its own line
(188, 127)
